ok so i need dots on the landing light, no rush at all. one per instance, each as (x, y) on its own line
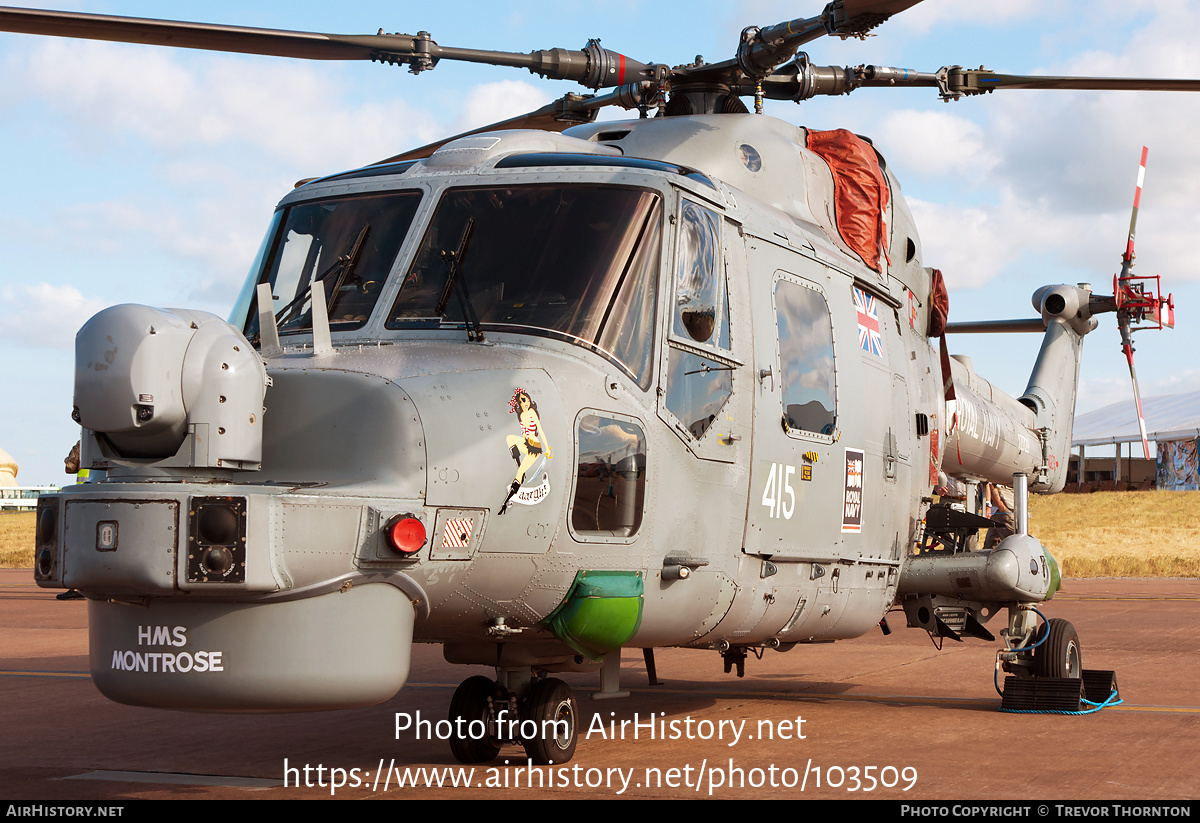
(217, 540)
(46, 539)
(216, 524)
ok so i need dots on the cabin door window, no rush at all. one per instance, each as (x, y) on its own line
(805, 359)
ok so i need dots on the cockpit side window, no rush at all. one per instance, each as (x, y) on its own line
(698, 289)
(699, 370)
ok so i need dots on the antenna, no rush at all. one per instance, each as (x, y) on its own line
(268, 332)
(322, 342)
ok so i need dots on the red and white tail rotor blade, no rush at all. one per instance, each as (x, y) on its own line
(1166, 312)
(1122, 293)
(1127, 346)
(1127, 259)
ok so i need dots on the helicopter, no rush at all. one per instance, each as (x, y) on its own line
(464, 390)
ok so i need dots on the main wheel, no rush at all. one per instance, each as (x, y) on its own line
(1059, 655)
(552, 707)
(470, 742)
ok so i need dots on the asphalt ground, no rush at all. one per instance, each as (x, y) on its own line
(878, 717)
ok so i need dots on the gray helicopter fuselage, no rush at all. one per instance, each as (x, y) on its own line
(733, 420)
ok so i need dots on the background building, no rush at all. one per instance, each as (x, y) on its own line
(1172, 423)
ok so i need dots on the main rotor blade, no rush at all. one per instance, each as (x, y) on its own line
(979, 81)
(800, 80)
(593, 66)
(272, 42)
(844, 18)
(557, 116)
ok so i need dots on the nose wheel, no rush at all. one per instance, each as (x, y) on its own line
(1047, 673)
(552, 708)
(485, 716)
(1059, 655)
(472, 715)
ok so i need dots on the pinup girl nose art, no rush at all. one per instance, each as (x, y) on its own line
(530, 450)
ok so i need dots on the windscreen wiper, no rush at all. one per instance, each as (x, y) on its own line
(344, 266)
(456, 283)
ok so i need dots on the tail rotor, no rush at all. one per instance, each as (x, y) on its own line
(1139, 303)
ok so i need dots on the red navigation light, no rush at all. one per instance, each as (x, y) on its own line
(405, 534)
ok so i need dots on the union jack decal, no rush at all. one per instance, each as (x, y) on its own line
(869, 339)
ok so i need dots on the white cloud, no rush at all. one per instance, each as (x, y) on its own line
(1187, 380)
(43, 315)
(185, 156)
(493, 102)
(974, 245)
(177, 102)
(932, 13)
(206, 246)
(935, 143)
(1059, 167)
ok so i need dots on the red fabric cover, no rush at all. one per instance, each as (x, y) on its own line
(939, 304)
(860, 192)
(939, 311)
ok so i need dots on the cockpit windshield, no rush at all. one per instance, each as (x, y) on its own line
(350, 244)
(579, 262)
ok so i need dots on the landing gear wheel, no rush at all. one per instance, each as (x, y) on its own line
(552, 707)
(1059, 655)
(470, 703)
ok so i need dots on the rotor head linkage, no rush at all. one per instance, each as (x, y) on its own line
(801, 80)
(591, 66)
(762, 49)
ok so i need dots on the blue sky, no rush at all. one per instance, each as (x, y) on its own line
(139, 174)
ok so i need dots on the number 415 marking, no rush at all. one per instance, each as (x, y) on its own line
(779, 487)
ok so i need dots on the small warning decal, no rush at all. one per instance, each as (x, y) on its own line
(456, 534)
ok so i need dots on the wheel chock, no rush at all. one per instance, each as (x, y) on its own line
(1100, 686)
(1041, 694)
(1060, 694)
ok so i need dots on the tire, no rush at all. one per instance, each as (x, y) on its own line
(551, 701)
(1059, 656)
(470, 703)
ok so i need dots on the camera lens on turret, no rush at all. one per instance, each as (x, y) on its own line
(217, 560)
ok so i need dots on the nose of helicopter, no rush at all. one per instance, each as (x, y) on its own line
(276, 656)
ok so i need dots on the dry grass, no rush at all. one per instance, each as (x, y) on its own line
(1121, 534)
(16, 540)
(1107, 534)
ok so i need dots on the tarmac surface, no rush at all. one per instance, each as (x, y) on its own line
(877, 717)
